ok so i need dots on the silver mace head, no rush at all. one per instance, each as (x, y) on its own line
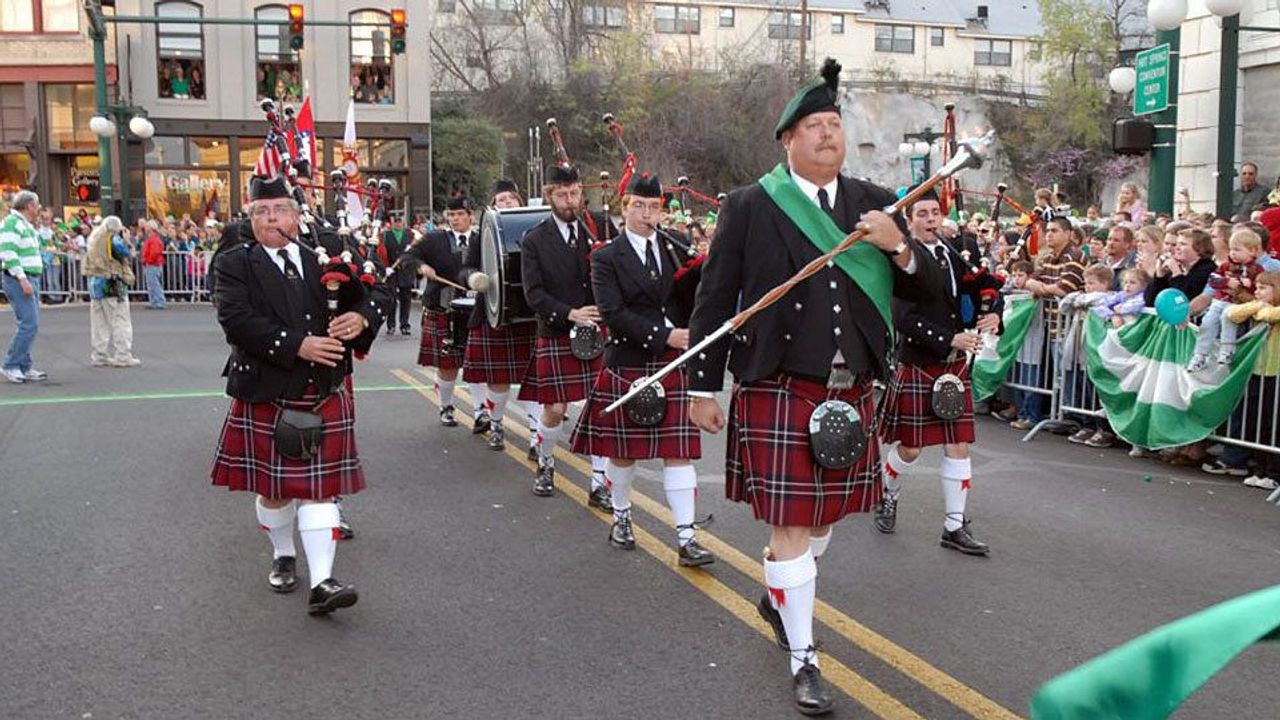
(969, 154)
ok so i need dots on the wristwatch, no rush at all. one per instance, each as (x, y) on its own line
(898, 249)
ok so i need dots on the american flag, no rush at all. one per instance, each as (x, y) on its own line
(269, 160)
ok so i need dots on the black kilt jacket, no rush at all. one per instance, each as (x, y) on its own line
(265, 331)
(556, 276)
(927, 323)
(757, 248)
(634, 305)
(436, 249)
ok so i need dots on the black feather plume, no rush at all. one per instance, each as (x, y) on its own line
(831, 73)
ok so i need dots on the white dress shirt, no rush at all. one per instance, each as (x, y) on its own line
(294, 255)
(564, 229)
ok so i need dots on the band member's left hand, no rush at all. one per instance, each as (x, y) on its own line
(347, 326)
(679, 338)
(882, 231)
(988, 323)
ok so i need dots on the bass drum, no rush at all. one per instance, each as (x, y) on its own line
(500, 234)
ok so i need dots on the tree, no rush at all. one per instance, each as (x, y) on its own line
(467, 155)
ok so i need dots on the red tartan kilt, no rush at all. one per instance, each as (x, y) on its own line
(612, 435)
(499, 355)
(907, 411)
(433, 351)
(769, 462)
(246, 457)
(555, 375)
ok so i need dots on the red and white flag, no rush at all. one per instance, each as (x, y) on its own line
(303, 140)
(269, 161)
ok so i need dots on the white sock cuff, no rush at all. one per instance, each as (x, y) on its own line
(598, 463)
(818, 543)
(275, 517)
(317, 516)
(956, 469)
(682, 477)
(789, 574)
(899, 463)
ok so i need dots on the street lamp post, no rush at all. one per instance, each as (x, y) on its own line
(919, 145)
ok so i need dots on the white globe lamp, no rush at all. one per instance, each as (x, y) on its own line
(142, 127)
(101, 126)
(1167, 14)
(1122, 80)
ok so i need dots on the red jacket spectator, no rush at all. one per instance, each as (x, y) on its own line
(153, 250)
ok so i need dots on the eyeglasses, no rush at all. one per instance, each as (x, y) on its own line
(272, 210)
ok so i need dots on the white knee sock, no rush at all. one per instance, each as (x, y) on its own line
(278, 524)
(818, 543)
(955, 490)
(498, 404)
(793, 586)
(445, 388)
(547, 442)
(894, 466)
(599, 466)
(621, 479)
(480, 396)
(317, 524)
(681, 484)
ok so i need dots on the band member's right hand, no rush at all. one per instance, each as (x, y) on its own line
(325, 351)
(428, 272)
(707, 415)
(967, 342)
(586, 315)
(679, 338)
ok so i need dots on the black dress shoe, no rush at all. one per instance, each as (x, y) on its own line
(601, 499)
(774, 618)
(532, 455)
(331, 595)
(813, 697)
(544, 485)
(691, 554)
(620, 535)
(446, 416)
(497, 437)
(345, 531)
(961, 539)
(481, 424)
(404, 329)
(283, 577)
(391, 330)
(887, 513)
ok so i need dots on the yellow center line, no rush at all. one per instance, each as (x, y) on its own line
(952, 690)
(840, 675)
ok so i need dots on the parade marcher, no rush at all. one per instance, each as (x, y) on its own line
(809, 359)
(632, 280)
(289, 436)
(441, 255)
(110, 277)
(555, 270)
(393, 241)
(930, 398)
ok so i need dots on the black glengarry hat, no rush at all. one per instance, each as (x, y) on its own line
(645, 185)
(502, 185)
(562, 174)
(457, 202)
(261, 188)
(820, 95)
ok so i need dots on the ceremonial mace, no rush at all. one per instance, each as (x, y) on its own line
(968, 155)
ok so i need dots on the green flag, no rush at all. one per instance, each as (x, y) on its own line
(992, 364)
(1140, 372)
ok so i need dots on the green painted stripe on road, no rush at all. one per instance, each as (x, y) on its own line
(172, 395)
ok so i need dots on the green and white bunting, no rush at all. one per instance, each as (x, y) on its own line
(1140, 372)
(994, 360)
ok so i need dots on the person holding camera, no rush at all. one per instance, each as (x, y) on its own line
(106, 265)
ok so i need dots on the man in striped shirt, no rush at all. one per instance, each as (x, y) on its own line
(22, 266)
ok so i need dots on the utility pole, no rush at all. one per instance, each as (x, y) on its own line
(1228, 80)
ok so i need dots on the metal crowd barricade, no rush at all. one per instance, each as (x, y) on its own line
(1254, 423)
(183, 277)
(1077, 396)
(1035, 370)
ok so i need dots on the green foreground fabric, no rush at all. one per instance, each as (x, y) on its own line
(1149, 677)
(992, 364)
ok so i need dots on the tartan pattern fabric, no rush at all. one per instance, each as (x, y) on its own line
(499, 355)
(432, 349)
(614, 436)
(769, 463)
(246, 457)
(907, 411)
(555, 375)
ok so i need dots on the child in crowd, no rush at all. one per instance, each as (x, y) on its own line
(1026, 367)
(1074, 310)
(1232, 284)
(1019, 273)
(1126, 304)
(1257, 409)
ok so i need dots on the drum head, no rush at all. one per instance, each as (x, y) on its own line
(500, 235)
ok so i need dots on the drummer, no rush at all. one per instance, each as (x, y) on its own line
(495, 356)
(439, 257)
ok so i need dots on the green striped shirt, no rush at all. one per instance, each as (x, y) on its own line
(19, 246)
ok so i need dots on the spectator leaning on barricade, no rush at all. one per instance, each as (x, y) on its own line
(153, 268)
(20, 256)
(1074, 311)
(106, 265)
(1188, 266)
(1232, 283)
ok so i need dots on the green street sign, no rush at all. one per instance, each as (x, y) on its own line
(1151, 94)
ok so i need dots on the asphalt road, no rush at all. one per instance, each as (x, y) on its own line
(134, 589)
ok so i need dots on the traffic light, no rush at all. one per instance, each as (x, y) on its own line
(397, 31)
(87, 191)
(296, 16)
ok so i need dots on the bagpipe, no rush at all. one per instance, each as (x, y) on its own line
(1031, 221)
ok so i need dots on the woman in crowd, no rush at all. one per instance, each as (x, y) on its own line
(1150, 243)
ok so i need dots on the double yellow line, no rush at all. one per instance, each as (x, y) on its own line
(863, 691)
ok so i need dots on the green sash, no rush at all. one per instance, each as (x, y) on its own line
(1149, 677)
(863, 263)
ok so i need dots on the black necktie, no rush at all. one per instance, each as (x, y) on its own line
(940, 252)
(573, 237)
(825, 201)
(650, 261)
(294, 281)
(462, 241)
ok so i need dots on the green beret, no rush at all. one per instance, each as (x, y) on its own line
(820, 95)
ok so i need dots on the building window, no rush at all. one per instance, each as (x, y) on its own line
(896, 39)
(446, 6)
(13, 114)
(279, 75)
(604, 16)
(372, 65)
(997, 53)
(39, 16)
(1035, 51)
(181, 52)
(937, 38)
(677, 19)
(496, 12)
(726, 17)
(69, 109)
(195, 193)
(786, 26)
(837, 24)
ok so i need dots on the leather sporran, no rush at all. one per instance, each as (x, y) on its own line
(586, 342)
(649, 407)
(947, 399)
(298, 434)
(837, 438)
